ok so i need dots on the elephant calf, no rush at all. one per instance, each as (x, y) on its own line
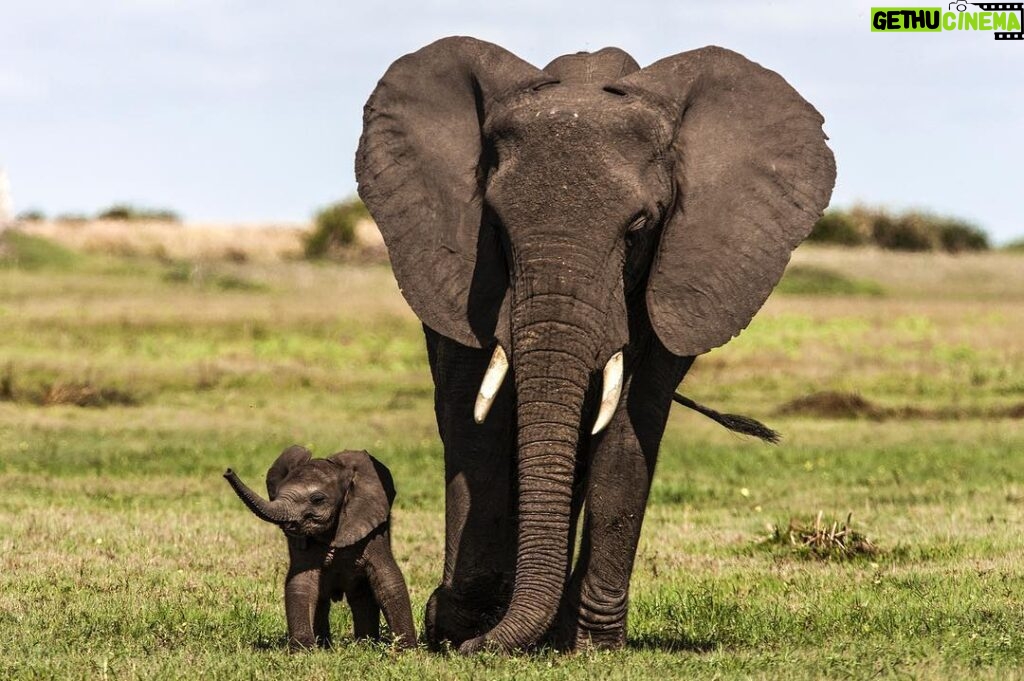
(335, 513)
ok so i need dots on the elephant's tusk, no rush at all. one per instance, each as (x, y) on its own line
(493, 379)
(611, 389)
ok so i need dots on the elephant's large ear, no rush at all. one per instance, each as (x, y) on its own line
(289, 460)
(421, 166)
(753, 173)
(367, 501)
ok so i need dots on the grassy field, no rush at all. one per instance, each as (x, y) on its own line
(128, 384)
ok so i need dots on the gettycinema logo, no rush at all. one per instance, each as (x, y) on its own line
(998, 17)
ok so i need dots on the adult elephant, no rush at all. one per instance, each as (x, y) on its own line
(552, 223)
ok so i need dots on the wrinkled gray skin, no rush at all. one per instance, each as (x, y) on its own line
(335, 514)
(566, 214)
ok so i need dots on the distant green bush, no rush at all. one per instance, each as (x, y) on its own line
(836, 227)
(1015, 246)
(125, 211)
(33, 215)
(957, 235)
(334, 228)
(902, 233)
(908, 231)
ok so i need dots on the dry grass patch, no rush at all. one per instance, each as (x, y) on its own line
(201, 241)
(176, 241)
(940, 276)
(48, 393)
(86, 395)
(822, 539)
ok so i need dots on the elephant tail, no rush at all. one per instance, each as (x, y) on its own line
(734, 422)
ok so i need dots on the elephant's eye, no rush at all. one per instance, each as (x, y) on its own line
(638, 223)
(318, 498)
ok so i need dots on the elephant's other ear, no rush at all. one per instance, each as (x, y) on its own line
(367, 501)
(421, 166)
(753, 174)
(289, 460)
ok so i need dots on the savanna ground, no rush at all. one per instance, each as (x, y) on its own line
(123, 554)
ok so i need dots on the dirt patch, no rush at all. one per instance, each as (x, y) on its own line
(1015, 411)
(844, 405)
(7, 384)
(832, 405)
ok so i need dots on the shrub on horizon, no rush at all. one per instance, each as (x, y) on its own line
(128, 212)
(913, 231)
(836, 227)
(334, 228)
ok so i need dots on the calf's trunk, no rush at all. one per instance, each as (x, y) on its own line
(264, 510)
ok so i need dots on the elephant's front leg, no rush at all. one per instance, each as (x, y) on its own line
(389, 590)
(594, 609)
(479, 506)
(301, 596)
(302, 593)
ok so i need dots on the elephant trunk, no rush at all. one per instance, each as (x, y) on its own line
(263, 509)
(552, 357)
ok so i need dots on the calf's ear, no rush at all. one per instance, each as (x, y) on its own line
(366, 501)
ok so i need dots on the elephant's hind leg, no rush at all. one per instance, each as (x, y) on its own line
(322, 622)
(365, 611)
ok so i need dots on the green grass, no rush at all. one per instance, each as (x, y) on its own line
(199, 275)
(28, 252)
(123, 553)
(810, 280)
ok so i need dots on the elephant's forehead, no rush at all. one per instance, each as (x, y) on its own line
(580, 112)
(317, 471)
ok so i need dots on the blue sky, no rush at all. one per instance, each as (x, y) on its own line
(250, 111)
